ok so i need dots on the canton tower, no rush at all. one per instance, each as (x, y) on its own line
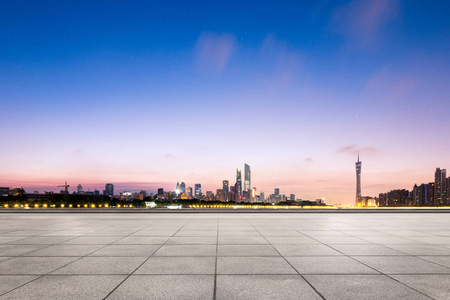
(358, 181)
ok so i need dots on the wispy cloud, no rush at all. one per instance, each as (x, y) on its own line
(284, 62)
(362, 20)
(213, 51)
(354, 149)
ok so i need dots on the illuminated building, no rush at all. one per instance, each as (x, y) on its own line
(247, 178)
(189, 192)
(440, 177)
(198, 190)
(358, 181)
(239, 182)
(225, 187)
(261, 197)
(430, 194)
(183, 187)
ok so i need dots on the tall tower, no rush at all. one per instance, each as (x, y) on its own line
(440, 177)
(239, 182)
(247, 178)
(358, 181)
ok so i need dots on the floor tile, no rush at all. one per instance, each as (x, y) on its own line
(247, 250)
(184, 287)
(67, 287)
(264, 287)
(401, 265)
(33, 265)
(10, 282)
(178, 265)
(126, 250)
(186, 250)
(362, 287)
(329, 265)
(253, 265)
(102, 265)
(435, 286)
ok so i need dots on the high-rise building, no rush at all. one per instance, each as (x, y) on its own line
(239, 182)
(447, 185)
(160, 191)
(292, 197)
(247, 178)
(79, 189)
(182, 187)
(109, 190)
(189, 192)
(220, 195)
(277, 191)
(198, 190)
(358, 181)
(177, 189)
(440, 192)
(226, 188)
(261, 197)
(430, 194)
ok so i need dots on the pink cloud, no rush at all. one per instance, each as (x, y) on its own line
(363, 19)
(213, 51)
(354, 150)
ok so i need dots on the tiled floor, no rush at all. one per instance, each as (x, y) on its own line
(225, 256)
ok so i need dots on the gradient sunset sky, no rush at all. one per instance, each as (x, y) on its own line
(144, 93)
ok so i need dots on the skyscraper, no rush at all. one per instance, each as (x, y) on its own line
(160, 191)
(198, 190)
(247, 178)
(440, 177)
(109, 190)
(358, 181)
(239, 182)
(183, 187)
(79, 189)
(226, 188)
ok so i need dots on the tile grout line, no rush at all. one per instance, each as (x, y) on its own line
(383, 274)
(217, 254)
(314, 289)
(49, 273)
(120, 283)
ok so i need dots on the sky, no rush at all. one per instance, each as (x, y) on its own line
(144, 93)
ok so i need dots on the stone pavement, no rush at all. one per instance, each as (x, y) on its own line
(225, 256)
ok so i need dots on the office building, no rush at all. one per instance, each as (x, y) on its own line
(189, 192)
(79, 189)
(277, 191)
(292, 197)
(183, 188)
(239, 182)
(247, 178)
(109, 190)
(225, 187)
(440, 178)
(160, 191)
(198, 189)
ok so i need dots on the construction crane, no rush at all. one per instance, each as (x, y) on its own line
(65, 186)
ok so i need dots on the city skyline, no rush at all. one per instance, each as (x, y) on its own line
(142, 94)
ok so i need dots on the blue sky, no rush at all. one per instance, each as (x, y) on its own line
(144, 93)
